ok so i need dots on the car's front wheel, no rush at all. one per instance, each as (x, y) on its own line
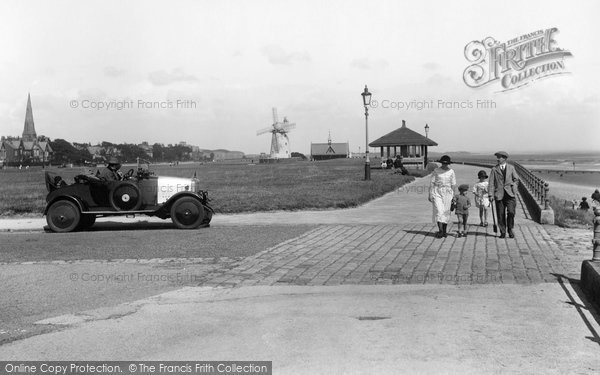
(187, 213)
(63, 216)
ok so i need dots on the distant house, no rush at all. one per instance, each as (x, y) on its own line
(98, 153)
(11, 150)
(148, 150)
(29, 149)
(407, 143)
(329, 150)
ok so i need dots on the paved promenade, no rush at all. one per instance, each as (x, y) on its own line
(410, 254)
(391, 240)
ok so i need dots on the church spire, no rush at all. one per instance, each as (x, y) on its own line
(29, 134)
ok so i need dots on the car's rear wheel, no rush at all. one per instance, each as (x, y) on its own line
(63, 216)
(187, 213)
(86, 221)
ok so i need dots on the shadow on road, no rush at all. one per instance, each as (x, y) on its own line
(450, 234)
(587, 305)
(119, 226)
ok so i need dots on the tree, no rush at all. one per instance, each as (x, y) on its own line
(64, 152)
(158, 152)
(298, 155)
(130, 152)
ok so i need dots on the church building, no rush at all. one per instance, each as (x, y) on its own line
(28, 149)
(329, 150)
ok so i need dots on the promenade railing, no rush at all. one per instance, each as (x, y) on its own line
(539, 188)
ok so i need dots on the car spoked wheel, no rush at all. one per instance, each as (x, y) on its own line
(125, 196)
(187, 213)
(63, 216)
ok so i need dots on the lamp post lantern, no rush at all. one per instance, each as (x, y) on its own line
(366, 95)
(426, 131)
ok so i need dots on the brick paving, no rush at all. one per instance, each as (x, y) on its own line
(405, 254)
(344, 250)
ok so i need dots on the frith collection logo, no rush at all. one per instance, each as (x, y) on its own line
(515, 63)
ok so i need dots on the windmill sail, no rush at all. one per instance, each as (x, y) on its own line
(265, 130)
(280, 142)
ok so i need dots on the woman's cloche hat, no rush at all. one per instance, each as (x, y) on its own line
(445, 160)
(481, 174)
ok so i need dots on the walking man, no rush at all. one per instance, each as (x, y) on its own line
(503, 189)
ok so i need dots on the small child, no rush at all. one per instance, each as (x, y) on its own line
(482, 199)
(462, 209)
(584, 205)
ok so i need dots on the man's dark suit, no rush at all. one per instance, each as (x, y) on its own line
(108, 174)
(502, 188)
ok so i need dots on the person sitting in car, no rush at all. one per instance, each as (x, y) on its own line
(111, 171)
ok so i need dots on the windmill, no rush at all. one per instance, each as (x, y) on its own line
(280, 143)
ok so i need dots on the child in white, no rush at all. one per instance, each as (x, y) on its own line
(482, 200)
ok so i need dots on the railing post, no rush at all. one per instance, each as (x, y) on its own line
(596, 239)
(546, 195)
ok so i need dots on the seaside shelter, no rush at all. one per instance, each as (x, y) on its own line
(407, 143)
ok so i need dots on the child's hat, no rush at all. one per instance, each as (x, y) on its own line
(481, 174)
(463, 187)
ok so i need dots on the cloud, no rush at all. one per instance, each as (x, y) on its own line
(278, 56)
(368, 64)
(438, 80)
(91, 93)
(431, 66)
(163, 78)
(112, 71)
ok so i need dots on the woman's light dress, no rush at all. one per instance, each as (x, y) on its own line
(442, 193)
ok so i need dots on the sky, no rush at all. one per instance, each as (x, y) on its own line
(209, 72)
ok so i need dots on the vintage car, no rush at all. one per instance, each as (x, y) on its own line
(76, 206)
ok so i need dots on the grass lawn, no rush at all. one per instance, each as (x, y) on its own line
(236, 187)
(566, 216)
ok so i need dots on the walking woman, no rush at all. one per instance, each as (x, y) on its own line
(441, 192)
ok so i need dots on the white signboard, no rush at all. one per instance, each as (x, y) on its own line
(169, 186)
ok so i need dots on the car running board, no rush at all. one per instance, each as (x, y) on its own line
(144, 212)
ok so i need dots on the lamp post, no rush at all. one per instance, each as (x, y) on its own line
(426, 156)
(366, 95)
